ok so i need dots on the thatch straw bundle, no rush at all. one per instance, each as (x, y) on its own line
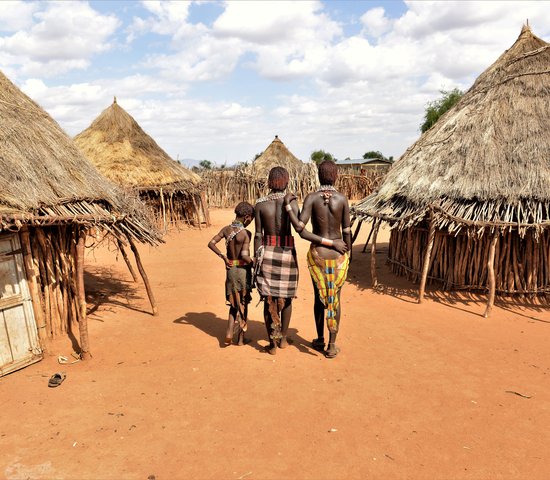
(356, 187)
(125, 154)
(52, 196)
(482, 170)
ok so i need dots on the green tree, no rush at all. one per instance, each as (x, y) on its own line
(206, 164)
(319, 156)
(374, 154)
(435, 109)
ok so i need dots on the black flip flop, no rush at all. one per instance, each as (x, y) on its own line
(56, 379)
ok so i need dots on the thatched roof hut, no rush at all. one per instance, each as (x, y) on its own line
(124, 153)
(475, 187)
(50, 198)
(226, 188)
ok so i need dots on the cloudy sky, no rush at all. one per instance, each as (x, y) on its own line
(217, 80)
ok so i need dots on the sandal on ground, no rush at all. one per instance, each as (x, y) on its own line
(332, 354)
(318, 344)
(56, 379)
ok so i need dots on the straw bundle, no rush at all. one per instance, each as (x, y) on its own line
(481, 171)
(125, 154)
(356, 187)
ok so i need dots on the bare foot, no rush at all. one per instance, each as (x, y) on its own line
(283, 343)
(271, 349)
(332, 350)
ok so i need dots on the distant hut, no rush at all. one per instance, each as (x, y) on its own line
(469, 202)
(50, 199)
(125, 154)
(249, 182)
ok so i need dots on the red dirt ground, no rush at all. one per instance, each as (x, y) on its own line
(419, 391)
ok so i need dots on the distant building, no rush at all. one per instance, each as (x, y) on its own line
(361, 166)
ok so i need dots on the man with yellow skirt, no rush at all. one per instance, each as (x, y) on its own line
(330, 252)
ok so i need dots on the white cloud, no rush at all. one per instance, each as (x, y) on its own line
(375, 22)
(16, 15)
(62, 37)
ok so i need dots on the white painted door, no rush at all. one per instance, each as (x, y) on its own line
(19, 345)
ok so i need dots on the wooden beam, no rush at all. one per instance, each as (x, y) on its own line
(368, 238)
(427, 258)
(81, 296)
(491, 274)
(32, 276)
(144, 277)
(163, 210)
(375, 228)
(127, 260)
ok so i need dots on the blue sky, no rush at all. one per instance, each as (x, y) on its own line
(217, 80)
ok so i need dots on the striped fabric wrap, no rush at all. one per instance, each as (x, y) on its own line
(238, 263)
(329, 277)
(278, 241)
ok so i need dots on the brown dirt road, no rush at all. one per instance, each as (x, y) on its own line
(418, 392)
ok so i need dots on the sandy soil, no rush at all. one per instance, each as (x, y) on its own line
(419, 391)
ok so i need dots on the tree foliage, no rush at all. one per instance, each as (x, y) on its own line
(206, 164)
(374, 154)
(435, 109)
(319, 156)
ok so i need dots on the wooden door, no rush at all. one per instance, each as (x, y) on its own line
(19, 345)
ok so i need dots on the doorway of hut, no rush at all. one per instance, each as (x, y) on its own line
(19, 344)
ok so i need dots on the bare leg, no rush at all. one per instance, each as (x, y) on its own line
(319, 316)
(230, 324)
(286, 313)
(272, 349)
(241, 331)
(332, 349)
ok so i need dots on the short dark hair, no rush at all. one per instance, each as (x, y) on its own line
(328, 171)
(243, 209)
(278, 179)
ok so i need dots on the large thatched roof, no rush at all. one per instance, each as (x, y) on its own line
(486, 162)
(125, 154)
(45, 179)
(276, 154)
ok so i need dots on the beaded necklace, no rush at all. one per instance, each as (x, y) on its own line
(271, 196)
(326, 192)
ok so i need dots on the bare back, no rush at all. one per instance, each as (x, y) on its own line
(271, 219)
(328, 218)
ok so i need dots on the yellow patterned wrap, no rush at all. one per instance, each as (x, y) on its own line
(329, 277)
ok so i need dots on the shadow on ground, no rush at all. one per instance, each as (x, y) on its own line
(106, 290)
(215, 326)
(401, 288)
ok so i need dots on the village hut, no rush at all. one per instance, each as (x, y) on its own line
(126, 155)
(469, 202)
(51, 197)
(226, 188)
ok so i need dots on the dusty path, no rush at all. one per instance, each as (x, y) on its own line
(419, 391)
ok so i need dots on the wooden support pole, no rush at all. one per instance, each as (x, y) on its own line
(32, 276)
(356, 231)
(491, 274)
(81, 298)
(144, 277)
(368, 238)
(127, 260)
(163, 210)
(427, 258)
(205, 208)
(375, 228)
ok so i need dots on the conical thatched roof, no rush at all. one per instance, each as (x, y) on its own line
(45, 178)
(125, 154)
(276, 154)
(486, 162)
